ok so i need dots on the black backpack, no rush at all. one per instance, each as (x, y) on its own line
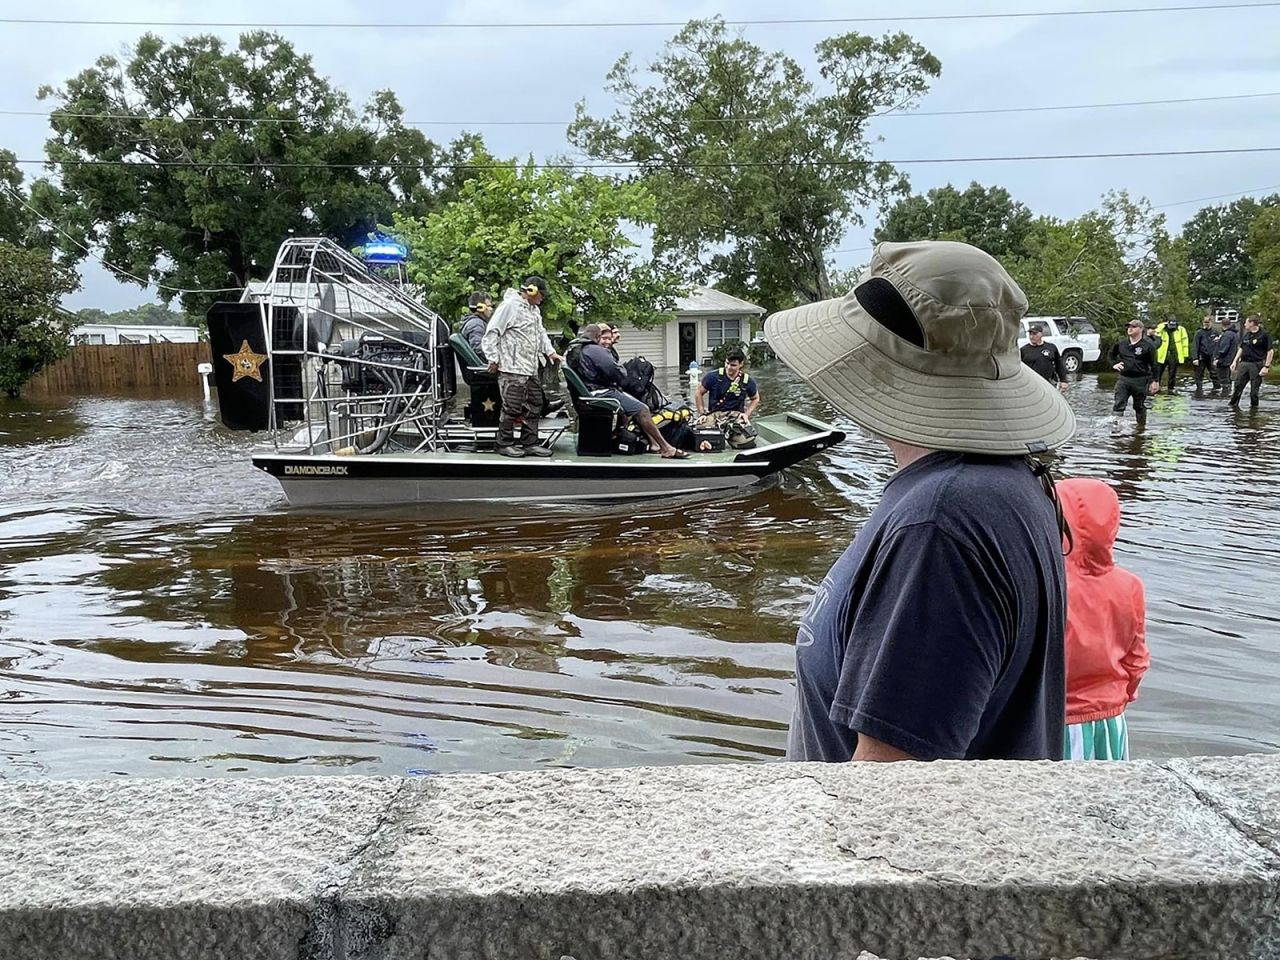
(639, 383)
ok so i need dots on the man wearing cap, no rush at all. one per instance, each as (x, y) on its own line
(1044, 358)
(516, 345)
(1252, 360)
(481, 305)
(939, 632)
(1134, 358)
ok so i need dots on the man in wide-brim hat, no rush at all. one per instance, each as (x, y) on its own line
(939, 632)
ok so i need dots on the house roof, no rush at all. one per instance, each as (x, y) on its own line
(704, 301)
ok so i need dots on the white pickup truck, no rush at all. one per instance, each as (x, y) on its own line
(1075, 337)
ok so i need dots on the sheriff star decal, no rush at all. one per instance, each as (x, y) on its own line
(489, 406)
(245, 363)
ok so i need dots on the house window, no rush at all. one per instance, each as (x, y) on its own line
(722, 329)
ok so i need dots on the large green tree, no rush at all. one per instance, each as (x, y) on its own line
(33, 330)
(574, 230)
(16, 220)
(188, 163)
(26, 213)
(1170, 291)
(1222, 271)
(1263, 248)
(1076, 268)
(987, 217)
(757, 167)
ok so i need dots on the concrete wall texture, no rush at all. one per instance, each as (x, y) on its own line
(1028, 860)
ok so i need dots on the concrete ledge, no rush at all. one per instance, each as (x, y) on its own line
(1108, 860)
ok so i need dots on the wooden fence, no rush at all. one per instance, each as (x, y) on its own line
(94, 368)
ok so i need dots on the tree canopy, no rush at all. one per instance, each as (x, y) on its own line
(1263, 247)
(148, 314)
(510, 222)
(750, 161)
(1075, 268)
(987, 217)
(33, 331)
(189, 163)
(1220, 267)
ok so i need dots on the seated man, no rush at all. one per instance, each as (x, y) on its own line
(727, 393)
(603, 376)
(473, 327)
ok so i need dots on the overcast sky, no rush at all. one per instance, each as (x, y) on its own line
(540, 75)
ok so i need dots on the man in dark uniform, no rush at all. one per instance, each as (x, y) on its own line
(1252, 360)
(1204, 351)
(1044, 358)
(1134, 358)
(1225, 352)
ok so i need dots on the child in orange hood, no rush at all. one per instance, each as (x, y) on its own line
(1106, 644)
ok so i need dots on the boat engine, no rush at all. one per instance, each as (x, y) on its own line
(378, 363)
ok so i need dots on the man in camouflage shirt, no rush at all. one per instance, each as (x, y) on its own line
(516, 345)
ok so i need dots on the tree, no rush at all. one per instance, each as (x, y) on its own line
(189, 163)
(751, 163)
(33, 332)
(1170, 293)
(1263, 248)
(1221, 270)
(1076, 268)
(986, 217)
(510, 222)
(148, 314)
(15, 219)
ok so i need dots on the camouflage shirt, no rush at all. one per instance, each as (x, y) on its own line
(516, 338)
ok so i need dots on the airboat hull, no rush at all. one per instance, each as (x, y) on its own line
(456, 477)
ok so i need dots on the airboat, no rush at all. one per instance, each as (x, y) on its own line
(356, 383)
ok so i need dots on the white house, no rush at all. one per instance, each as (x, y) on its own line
(110, 333)
(704, 319)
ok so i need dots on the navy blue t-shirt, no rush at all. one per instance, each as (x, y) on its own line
(940, 629)
(726, 393)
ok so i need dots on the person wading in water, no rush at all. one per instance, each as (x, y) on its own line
(1135, 360)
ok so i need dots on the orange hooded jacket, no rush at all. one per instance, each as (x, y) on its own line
(1106, 608)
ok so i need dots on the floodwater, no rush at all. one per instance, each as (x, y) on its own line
(164, 613)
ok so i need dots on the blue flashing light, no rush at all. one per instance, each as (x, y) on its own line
(382, 249)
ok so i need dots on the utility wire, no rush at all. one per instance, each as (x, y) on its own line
(1154, 206)
(562, 123)
(104, 261)
(1220, 196)
(634, 164)
(543, 25)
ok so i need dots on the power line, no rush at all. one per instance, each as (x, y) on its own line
(1220, 196)
(104, 261)
(635, 164)
(1074, 106)
(561, 123)
(1154, 206)
(438, 25)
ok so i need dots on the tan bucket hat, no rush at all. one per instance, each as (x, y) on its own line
(924, 351)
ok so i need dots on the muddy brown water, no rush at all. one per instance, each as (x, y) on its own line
(164, 613)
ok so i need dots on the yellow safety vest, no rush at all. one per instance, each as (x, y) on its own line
(1181, 343)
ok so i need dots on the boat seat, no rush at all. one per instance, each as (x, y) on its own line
(582, 398)
(474, 370)
(597, 416)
